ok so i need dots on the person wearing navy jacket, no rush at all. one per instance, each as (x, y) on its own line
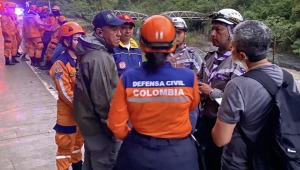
(127, 54)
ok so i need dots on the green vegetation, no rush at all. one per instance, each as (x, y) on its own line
(282, 16)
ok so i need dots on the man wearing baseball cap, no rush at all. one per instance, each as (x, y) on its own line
(96, 80)
(127, 54)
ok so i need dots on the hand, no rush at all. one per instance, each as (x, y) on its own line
(205, 89)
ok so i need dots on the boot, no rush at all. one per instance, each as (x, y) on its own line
(14, 60)
(77, 166)
(8, 62)
(18, 54)
(23, 57)
(37, 63)
(32, 61)
(47, 66)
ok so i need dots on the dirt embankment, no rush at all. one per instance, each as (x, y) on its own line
(296, 75)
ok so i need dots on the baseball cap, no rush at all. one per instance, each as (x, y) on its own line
(126, 18)
(106, 18)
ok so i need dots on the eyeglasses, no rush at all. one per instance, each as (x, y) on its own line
(217, 15)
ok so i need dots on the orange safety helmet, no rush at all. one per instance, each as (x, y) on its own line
(10, 5)
(55, 8)
(45, 8)
(158, 34)
(68, 29)
(40, 10)
(33, 8)
(61, 20)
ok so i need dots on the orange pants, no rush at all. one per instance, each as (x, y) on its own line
(10, 45)
(50, 48)
(34, 47)
(69, 149)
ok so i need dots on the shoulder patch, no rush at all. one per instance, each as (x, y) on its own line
(58, 72)
(122, 65)
(72, 74)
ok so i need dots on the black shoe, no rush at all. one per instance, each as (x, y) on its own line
(47, 66)
(14, 60)
(8, 62)
(23, 58)
(77, 166)
(18, 54)
(37, 64)
(32, 61)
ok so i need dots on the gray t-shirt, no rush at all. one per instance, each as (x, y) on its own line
(245, 101)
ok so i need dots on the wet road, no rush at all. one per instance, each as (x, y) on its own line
(27, 115)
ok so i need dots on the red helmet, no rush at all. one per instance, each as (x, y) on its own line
(45, 8)
(33, 8)
(55, 8)
(62, 20)
(158, 34)
(40, 9)
(70, 28)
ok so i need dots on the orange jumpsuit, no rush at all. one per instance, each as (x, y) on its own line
(9, 31)
(68, 137)
(31, 29)
(18, 34)
(54, 38)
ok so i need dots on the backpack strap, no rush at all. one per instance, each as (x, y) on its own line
(264, 79)
(271, 86)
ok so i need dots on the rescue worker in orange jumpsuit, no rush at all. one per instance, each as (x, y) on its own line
(45, 11)
(9, 31)
(33, 38)
(157, 99)
(53, 43)
(68, 137)
(55, 20)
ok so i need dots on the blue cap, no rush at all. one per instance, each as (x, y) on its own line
(106, 18)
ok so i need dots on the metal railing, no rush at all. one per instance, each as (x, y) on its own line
(187, 15)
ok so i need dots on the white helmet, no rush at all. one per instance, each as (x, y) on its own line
(228, 16)
(179, 23)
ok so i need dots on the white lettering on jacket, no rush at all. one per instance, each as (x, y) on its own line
(158, 92)
(157, 83)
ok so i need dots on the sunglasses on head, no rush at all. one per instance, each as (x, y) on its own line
(217, 15)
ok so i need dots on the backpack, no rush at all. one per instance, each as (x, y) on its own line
(278, 143)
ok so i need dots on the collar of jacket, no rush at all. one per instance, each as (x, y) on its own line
(102, 40)
(132, 42)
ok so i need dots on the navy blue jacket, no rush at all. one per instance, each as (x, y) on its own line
(125, 58)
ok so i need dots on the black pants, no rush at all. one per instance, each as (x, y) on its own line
(46, 40)
(141, 152)
(211, 153)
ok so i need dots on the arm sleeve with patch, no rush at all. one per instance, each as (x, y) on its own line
(232, 104)
(60, 75)
(4, 24)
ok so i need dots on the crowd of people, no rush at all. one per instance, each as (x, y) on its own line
(175, 110)
(38, 37)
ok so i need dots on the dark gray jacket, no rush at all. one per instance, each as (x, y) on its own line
(95, 84)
